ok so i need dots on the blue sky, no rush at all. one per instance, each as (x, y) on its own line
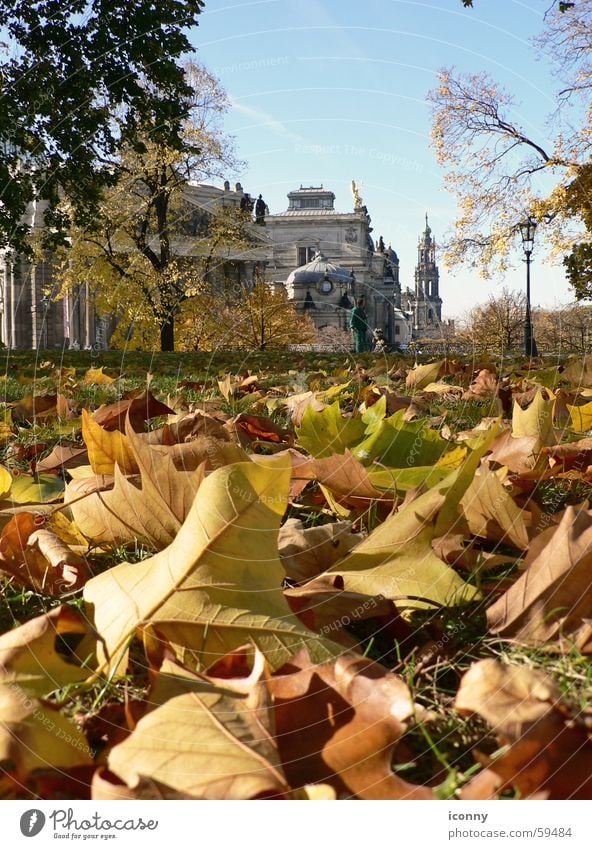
(326, 91)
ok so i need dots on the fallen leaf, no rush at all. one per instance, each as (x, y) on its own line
(96, 377)
(150, 509)
(327, 432)
(536, 420)
(107, 787)
(421, 376)
(106, 449)
(397, 560)
(204, 740)
(442, 389)
(324, 606)
(341, 473)
(5, 481)
(226, 387)
(188, 427)
(247, 429)
(581, 449)
(35, 736)
(298, 404)
(33, 407)
(549, 751)
(339, 723)
(218, 584)
(16, 533)
(580, 418)
(138, 410)
(62, 458)
(578, 372)
(492, 513)
(485, 385)
(36, 489)
(553, 596)
(306, 552)
(38, 559)
(519, 454)
(28, 655)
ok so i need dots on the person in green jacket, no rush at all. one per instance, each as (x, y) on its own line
(358, 323)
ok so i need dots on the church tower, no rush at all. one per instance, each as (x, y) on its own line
(427, 303)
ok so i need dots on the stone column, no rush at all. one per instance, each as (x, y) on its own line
(88, 335)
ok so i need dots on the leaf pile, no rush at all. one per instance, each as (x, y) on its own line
(263, 585)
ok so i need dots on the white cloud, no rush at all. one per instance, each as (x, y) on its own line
(263, 119)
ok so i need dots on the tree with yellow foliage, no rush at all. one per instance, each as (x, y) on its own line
(496, 326)
(129, 253)
(260, 318)
(501, 174)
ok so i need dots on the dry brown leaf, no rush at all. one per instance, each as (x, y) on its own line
(203, 740)
(51, 565)
(395, 402)
(189, 426)
(519, 454)
(298, 404)
(138, 409)
(451, 549)
(553, 597)
(28, 655)
(35, 736)
(342, 474)
(485, 385)
(62, 458)
(218, 584)
(324, 606)
(153, 507)
(491, 512)
(38, 559)
(306, 552)
(549, 751)
(578, 371)
(34, 407)
(246, 429)
(107, 787)
(573, 454)
(339, 723)
(421, 376)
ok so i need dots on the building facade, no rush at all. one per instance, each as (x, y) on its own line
(327, 259)
(324, 258)
(424, 301)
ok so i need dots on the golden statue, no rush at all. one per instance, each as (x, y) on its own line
(356, 194)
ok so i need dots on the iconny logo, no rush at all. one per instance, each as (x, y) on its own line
(32, 822)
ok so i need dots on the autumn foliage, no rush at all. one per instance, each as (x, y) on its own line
(236, 589)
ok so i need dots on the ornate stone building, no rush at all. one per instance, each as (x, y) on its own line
(326, 259)
(424, 301)
(30, 318)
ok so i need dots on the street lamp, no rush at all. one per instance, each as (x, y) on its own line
(527, 231)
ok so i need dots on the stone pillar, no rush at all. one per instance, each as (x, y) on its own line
(88, 335)
(12, 331)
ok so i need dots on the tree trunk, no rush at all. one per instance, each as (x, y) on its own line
(167, 335)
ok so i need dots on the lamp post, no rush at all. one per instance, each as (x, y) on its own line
(527, 231)
(45, 302)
